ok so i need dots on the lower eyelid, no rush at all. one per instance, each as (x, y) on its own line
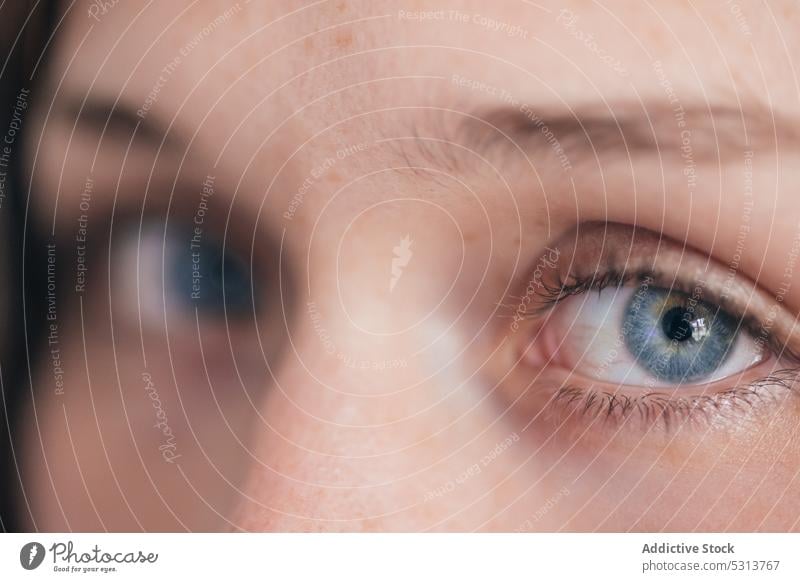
(667, 410)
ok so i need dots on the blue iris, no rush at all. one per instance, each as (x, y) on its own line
(213, 280)
(676, 337)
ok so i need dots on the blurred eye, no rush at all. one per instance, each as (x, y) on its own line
(646, 336)
(180, 272)
(206, 276)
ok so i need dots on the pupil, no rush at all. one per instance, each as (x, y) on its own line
(674, 340)
(677, 324)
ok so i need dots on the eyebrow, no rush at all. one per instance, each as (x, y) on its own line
(570, 139)
(117, 120)
(706, 134)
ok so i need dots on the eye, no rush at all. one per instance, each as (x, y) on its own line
(202, 274)
(645, 336)
(624, 326)
(182, 272)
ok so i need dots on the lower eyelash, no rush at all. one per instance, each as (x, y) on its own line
(666, 412)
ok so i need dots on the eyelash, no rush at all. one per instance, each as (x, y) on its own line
(657, 407)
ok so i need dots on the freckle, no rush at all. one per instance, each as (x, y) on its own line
(344, 40)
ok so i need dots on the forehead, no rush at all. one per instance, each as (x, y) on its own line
(561, 52)
(258, 86)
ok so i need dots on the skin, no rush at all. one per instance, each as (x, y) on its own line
(443, 423)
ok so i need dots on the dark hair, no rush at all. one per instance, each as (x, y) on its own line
(24, 30)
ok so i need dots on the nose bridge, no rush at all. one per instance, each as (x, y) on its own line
(357, 339)
(373, 335)
(348, 421)
(363, 304)
(373, 387)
